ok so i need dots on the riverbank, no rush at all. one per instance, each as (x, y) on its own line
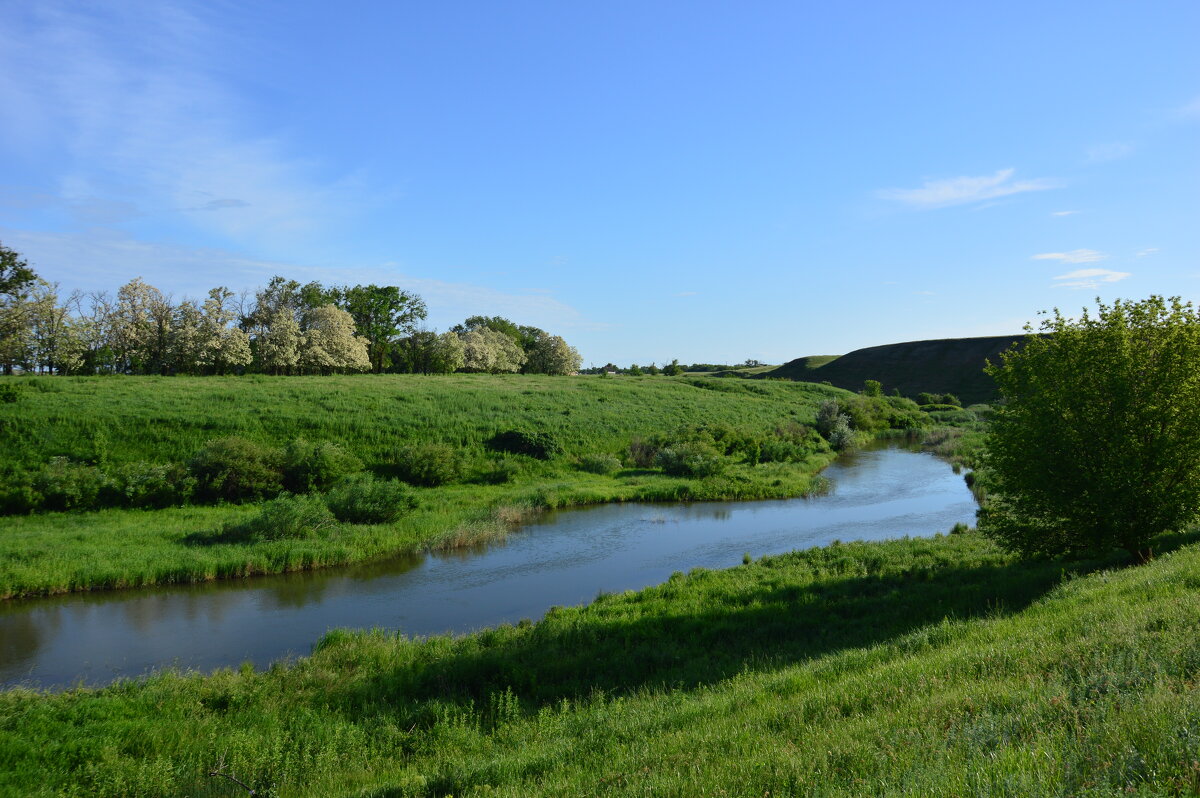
(932, 667)
(728, 440)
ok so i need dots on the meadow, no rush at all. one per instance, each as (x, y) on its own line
(913, 667)
(99, 445)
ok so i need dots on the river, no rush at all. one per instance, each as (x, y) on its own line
(564, 558)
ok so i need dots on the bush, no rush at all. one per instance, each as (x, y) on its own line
(542, 445)
(285, 518)
(841, 437)
(235, 469)
(690, 459)
(316, 466)
(501, 471)
(599, 463)
(362, 499)
(1097, 445)
(64, 485)
(939, 408)
(428, 464)
(9, 393)
(150, 485)
(642, 452)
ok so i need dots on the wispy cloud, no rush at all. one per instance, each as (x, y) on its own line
(1063, 213)
(102, 261)
(1110, 151)
(941, 193)
(1074, 256)
(141, 112)
(1089, 278)
(1141, 253)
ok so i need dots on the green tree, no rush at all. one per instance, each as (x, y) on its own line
(872, 388)
(1097, 444)
(383, 315)
(673, 369)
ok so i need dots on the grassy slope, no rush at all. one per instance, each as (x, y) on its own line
(951, 365)
(123, 420)
(932, 667)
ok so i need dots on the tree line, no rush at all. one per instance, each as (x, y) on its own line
(284, 328)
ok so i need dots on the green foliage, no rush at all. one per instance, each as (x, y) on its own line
(1098, 442)
(690, 459)
(603, 463)
(873, 388)
(362, 499)
(925, 398)
(316, 466)
(10, 393)
(939, 407)
(673, 369)
(287, 517)
(235, 469)
(542, 445)
(64, 485)
(428, 464)
(150, 485)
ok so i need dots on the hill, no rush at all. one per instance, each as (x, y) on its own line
(947, 365)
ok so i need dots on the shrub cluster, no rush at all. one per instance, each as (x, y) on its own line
(287, 517)
(542, 445)
(361, 499)
(605, 463)
(427, 464)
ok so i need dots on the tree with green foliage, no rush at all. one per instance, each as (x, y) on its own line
(1097, 444)
(673, 369)
(550, 354)
(872, 388)
(383, 315)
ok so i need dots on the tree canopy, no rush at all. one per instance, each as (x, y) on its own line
(1097, 443)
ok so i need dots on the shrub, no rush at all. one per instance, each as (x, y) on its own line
(150, 485)
(285, 518)
(64, 485)
(428, 464)
(939, 408)
(9, 393)
(235, 469)
(841, 437)
(316, 466)
(501, 471)
(690, 459)
(542, 445)
(599, 463)
(362, 499)
(17, 494)
(642, 452)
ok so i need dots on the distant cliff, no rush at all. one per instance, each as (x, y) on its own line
(949, 365)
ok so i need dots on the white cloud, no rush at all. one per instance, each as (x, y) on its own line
(139, 113)
(963, 190)
(1111, 151)
(1063, 213)
(1074, 256)
(1141, 253)
(1089, 278)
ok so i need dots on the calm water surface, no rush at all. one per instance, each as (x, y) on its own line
(565, 558)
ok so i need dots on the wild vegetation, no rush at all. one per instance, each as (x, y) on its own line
(915, 667)
(150, 480)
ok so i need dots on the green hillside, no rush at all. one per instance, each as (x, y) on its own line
(121, 456)
(936, 667)
(949, 365)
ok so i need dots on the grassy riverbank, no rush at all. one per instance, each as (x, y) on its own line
(83, 442)
(923, 667)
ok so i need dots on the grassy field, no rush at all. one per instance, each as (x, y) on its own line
(100, 426)
(915, 667)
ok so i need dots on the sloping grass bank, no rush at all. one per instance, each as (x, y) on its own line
(915, 667)
(479, 451)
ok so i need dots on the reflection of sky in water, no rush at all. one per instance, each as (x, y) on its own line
(565, 558)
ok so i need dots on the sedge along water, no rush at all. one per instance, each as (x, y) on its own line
(565, 557)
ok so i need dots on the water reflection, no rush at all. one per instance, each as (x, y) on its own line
(565, 557)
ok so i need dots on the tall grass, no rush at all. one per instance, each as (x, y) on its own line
(917, 667)
(155, 426)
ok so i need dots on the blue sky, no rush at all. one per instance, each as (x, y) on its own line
(708, 181)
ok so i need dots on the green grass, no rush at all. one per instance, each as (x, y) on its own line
(113, 422)
(915, 667)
